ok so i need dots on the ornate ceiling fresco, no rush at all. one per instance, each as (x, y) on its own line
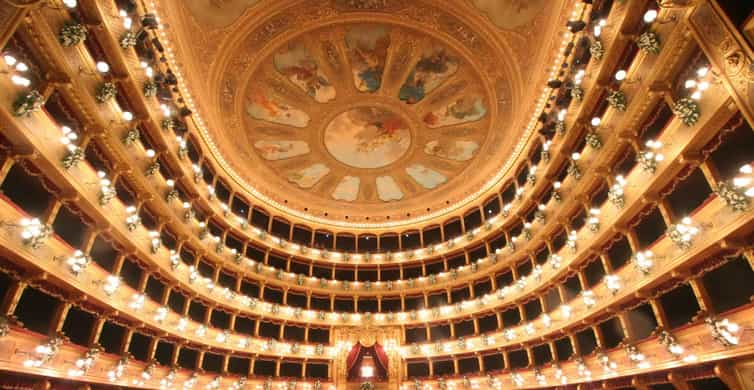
(364, 113)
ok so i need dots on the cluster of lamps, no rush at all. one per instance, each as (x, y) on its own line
(17, 69)
(44, 353)
(683, 233)
(83, 364)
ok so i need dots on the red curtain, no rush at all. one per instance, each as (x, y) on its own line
(353, 356)
(356, 356)
(381, 356)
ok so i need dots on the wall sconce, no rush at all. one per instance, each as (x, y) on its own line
(222, 337)
(44, 353)
(34, 233)
(517, 379)
(181, 325)
(589, 299)
(132, 218)
(573, 167)
(546, 320)
(106, 189)
(644, 261)
(145, 375)
(555, 261)
(117, 372)
(724, 331)
(540, 377)
(188, 212)
(608, 366)
(137, 302)
(571, 242)
(593, 222)
(613, 283)
(197, 172)
(214, 384)
(161, 314)
(74, 153)
(584, 371)
(560, 375)
(531, 178)
(175, 260)
(85, 363)
(77, 262)
(635, 356)
(110, 284)
(674, 348)
(616, 193)
(556, 191)
(167, 381)
(737, 193)
(154, 242)
(682, 233)
(182, 147)
(649, 158)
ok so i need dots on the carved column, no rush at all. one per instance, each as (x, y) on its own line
(727, 51)
(11, 15)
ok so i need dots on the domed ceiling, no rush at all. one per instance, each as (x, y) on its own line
(364, 113)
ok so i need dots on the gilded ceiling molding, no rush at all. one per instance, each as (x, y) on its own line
(277, 23)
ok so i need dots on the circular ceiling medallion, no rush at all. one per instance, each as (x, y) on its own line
(366, 114)
(365, 119)
(367, 137)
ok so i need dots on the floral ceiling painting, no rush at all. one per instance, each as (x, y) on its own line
(434, 67)
(297, 64)
(426, 177)
(388, 189)
(281, 150)
(266, 108)
(367, 51)
(462, 110)
(365, 121)
(457, 150)
(309, 176)
(348, 189)
(367, 137)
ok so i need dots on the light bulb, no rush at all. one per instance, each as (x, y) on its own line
(620, 75)
(650, 16)
(103, 67)
(21, 81)
(9, 60)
